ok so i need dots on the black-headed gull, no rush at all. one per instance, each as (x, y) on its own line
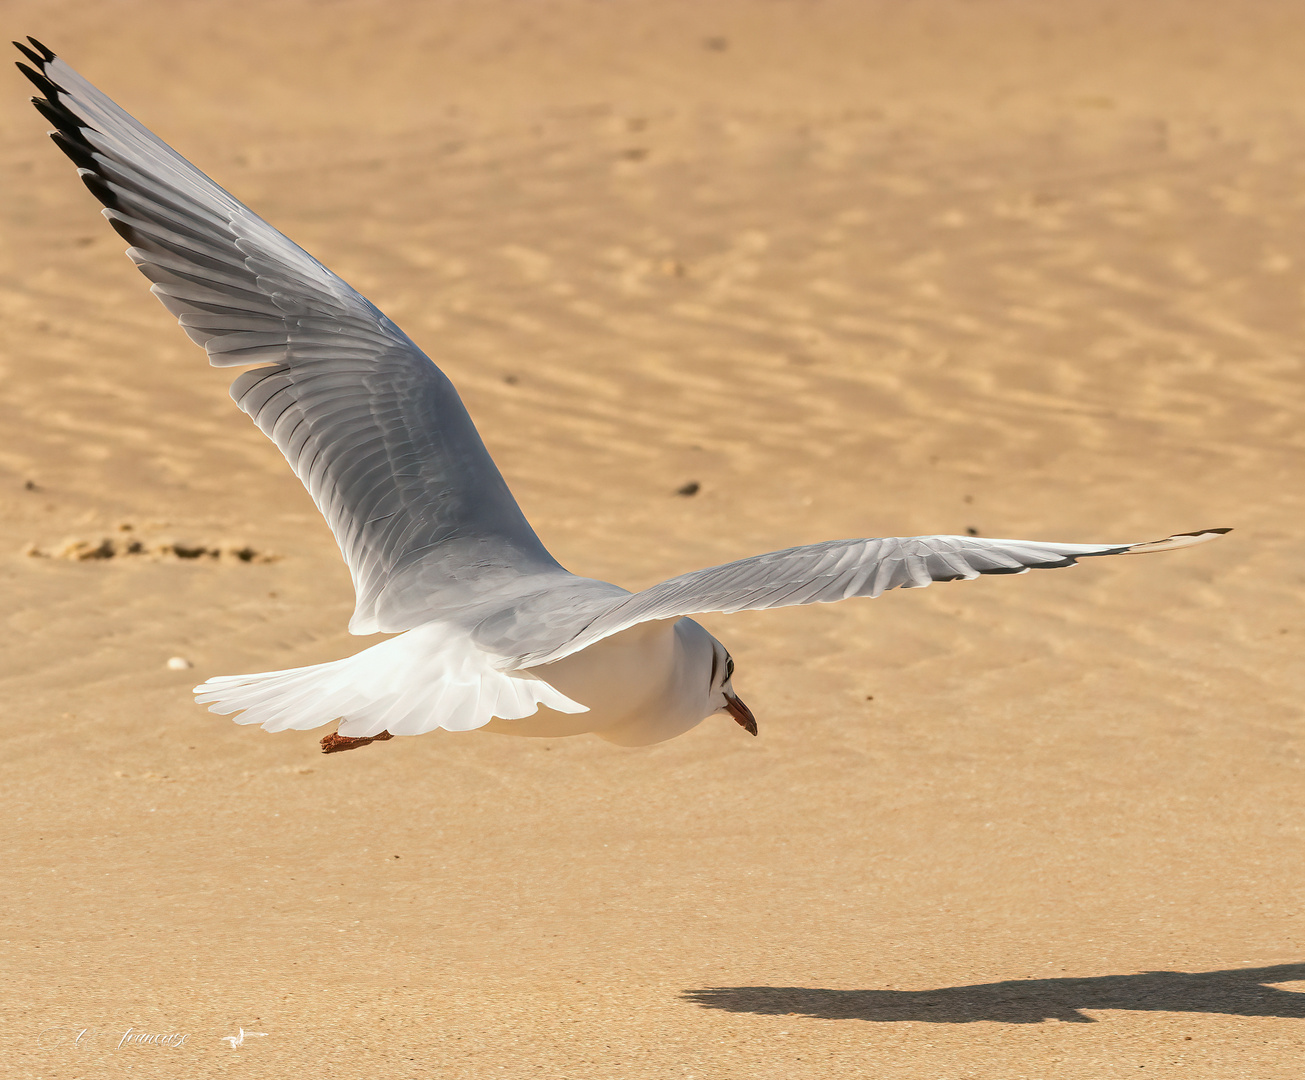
(491, 631)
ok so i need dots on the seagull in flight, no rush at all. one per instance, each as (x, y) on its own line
(490, 630)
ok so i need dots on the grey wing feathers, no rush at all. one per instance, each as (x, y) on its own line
(374, 430)
(836, 570)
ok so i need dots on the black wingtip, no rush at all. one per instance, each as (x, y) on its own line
(56, 114)
(79, 152)
(34, 57)
(96, 185)
(1206, 532)
(47, 53)
(39, 81)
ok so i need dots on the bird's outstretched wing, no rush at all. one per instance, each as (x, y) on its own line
(372, 427)
(821, 574)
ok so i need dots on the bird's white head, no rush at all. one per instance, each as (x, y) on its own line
(721, 692)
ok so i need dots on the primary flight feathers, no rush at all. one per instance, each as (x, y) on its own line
(382, 442)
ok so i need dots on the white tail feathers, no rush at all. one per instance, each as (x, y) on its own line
(430, 677)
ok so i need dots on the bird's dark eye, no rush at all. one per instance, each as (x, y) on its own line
(729, 668)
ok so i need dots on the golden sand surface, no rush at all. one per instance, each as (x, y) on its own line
(868, 268)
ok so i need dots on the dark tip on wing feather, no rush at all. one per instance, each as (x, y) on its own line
(96, 185)
(68, 135)
(38, 80)
(47, 54)
(35, 58)
(50, 106)
(62, 119)
(77, 149)
(103, 194)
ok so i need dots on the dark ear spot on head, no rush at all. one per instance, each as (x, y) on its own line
(729, 667)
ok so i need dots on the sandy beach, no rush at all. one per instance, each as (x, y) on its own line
(871, 268)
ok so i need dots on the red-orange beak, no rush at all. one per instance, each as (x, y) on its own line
(741, 713)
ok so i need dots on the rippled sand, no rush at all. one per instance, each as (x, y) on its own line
(854, 269)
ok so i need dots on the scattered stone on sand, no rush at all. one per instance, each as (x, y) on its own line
(77, 549)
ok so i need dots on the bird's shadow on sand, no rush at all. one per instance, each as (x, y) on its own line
(1242, 992)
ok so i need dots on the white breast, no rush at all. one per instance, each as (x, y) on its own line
(644, 685)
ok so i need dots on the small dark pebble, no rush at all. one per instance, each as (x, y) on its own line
(511, 380)
(716, 44)
(31, 486)
(691, 488)
(970, 530)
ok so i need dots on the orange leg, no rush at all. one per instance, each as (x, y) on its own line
(333, 744)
